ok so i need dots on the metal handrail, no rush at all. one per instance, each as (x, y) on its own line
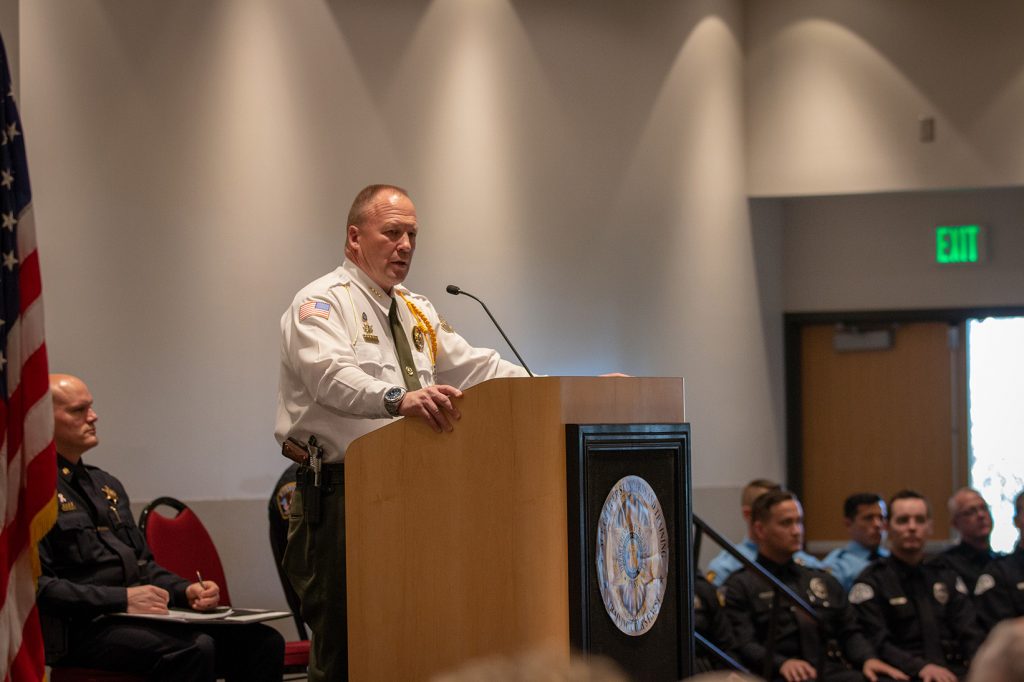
(716, 652)
(780, 590)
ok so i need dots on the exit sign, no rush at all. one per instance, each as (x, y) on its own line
(959, 244)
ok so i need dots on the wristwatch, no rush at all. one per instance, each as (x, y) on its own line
(392, 398)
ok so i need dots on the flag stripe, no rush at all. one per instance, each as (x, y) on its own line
(31, 282)
(27, 454)
(30, 658)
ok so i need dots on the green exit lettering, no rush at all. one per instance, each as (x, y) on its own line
(956, 244)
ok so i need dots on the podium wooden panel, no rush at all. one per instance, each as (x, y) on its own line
(457, 543)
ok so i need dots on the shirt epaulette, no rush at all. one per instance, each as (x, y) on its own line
(412, 294)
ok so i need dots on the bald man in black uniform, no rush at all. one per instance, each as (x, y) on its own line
(96, 562)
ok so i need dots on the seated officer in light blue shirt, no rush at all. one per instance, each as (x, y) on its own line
(725, 564)
(865, 520)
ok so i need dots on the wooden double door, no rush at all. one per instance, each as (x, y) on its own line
(875, 420)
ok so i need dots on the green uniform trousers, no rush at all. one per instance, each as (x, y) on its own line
(314, 560)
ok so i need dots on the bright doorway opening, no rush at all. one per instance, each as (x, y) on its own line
(995, 366)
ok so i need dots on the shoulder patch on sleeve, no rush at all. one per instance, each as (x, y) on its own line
(314, 309)
(283, 498)
(860, 593)
(985, 583)
(961, 586)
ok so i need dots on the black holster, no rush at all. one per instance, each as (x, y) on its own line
(331, 476)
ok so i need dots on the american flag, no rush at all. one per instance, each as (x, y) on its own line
(29, 471)
(314, 309)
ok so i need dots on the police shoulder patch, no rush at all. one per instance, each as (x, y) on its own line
(961, 586)
(985, 583)
(283, 497)
(860, 593)
(818, 588)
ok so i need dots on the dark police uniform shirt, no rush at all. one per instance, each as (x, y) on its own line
(710, 621)
(999, 593)
(916, 615)
(93, 553)
(967, 562)
(748, 602)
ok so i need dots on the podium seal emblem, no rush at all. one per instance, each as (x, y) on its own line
(632, 555)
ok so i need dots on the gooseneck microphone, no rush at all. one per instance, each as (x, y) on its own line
(455, 291)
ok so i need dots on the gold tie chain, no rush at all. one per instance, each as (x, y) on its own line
(424, 324)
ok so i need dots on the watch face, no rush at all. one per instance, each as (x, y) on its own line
(393, 394)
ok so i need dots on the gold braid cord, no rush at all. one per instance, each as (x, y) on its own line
(424, 324)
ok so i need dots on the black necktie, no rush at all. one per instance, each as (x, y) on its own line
(402, 348)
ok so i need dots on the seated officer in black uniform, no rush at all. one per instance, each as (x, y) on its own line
(778, 530)
(710, 621)
(917, 614)
(95, 561)
(999, 593)
(972, 520)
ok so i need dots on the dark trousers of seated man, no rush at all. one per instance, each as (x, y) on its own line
(250, 652)
(314, 560)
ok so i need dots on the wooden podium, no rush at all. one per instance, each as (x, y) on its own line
(459, 544)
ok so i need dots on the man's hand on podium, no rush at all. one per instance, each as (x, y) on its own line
(434, 404)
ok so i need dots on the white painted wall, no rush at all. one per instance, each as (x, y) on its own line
(835, 91)
(584, 169)
(580, 168)
(9, 30)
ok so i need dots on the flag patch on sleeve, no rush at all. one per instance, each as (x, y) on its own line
(314, 309)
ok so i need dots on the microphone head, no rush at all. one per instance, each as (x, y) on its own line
(453, 290)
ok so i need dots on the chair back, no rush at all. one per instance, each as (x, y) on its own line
(181, 544)
(89, 675)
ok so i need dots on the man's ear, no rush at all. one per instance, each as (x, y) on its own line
(757, 529)
(746, 511)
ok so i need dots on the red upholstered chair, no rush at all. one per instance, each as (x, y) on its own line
(181, 544)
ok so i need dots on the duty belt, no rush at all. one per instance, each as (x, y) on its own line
(330, 475)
